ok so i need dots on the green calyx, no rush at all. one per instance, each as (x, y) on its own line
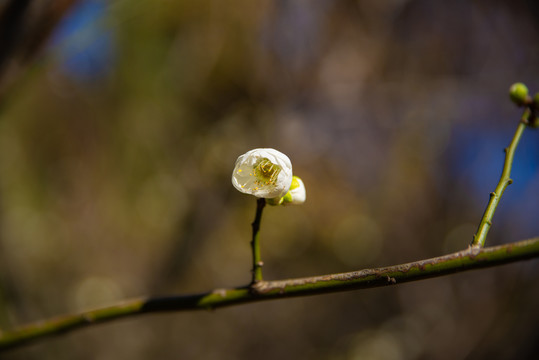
(275, 201)
(287, 198)
(518, 92)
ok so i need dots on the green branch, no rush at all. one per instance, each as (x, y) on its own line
(471, 258)
(505, 180)
(255, 242)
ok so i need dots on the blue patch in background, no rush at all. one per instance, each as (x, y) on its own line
(477, 159)
(82, 42)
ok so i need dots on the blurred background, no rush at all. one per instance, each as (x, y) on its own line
(120, 123)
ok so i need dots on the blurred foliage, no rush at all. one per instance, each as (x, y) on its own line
(116, 152)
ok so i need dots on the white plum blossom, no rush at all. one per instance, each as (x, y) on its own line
(264, 173)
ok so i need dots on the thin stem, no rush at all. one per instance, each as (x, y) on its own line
(471, 258)
(505, 180)
(255, 242)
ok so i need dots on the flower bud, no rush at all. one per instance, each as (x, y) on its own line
(297, 193)
(518, 92)
(295, 196)
(264, 173)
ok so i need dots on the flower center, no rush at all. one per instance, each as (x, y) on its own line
(267, 171)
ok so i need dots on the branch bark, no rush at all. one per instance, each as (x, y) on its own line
(469, 259)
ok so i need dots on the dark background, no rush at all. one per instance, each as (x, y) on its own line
(118, 140)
